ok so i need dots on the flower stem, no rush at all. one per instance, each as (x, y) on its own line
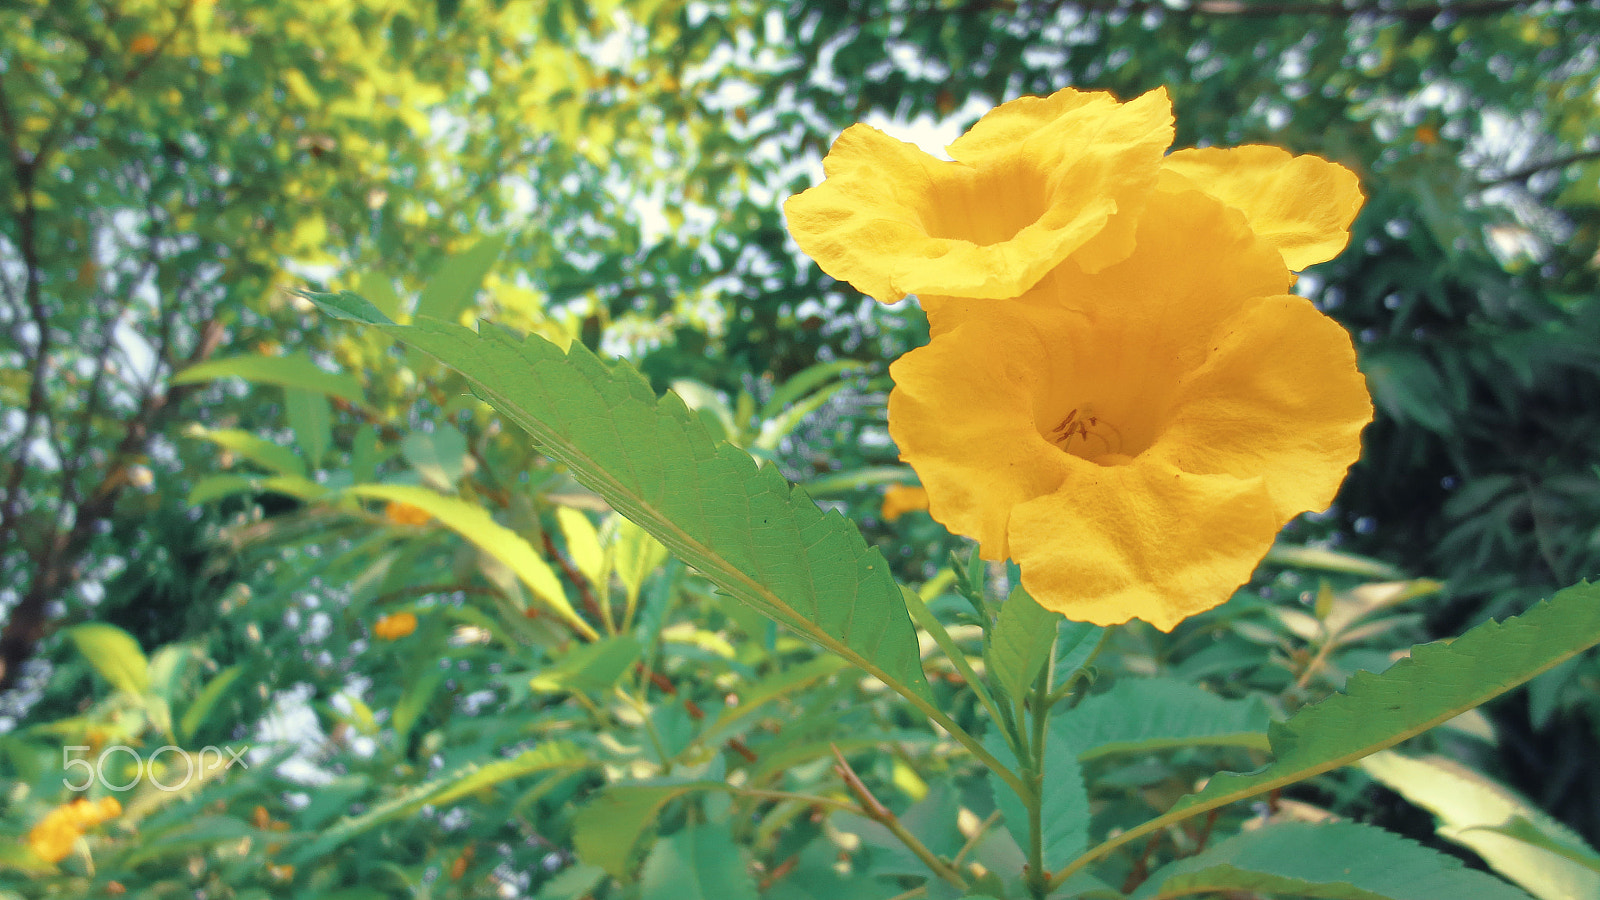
(1038, 878)
(877, 812)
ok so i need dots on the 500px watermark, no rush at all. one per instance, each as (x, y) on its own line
(161, 775)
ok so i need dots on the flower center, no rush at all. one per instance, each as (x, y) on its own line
(1088, 436)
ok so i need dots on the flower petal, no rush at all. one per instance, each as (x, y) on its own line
(962, 414)
(1024, 193)
(1196, 263)
(1279, 397)
(1142, 540)
(1302, 205)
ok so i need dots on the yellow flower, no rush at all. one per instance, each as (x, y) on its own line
(394, 627)
(53, 837)
(1033, 182)
(406, 514)
(900, 499)
(1135, 438)
(1301, 205)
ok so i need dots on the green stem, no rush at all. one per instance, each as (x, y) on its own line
(1038, 879)
(877, 812)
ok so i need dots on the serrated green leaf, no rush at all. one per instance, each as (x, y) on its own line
(504, 545)
(260, 451)
(296, 371)
(701, 862)
(1438, 682)
(1472, 808)
(1338, 861)
(1020, 643)
(1143, 714)
(311, 420)
(114, 654)
(451, 289)
(605, 830)
(746, 529)
(1064, 807)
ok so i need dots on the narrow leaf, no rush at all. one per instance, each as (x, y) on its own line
(1472, 808)
(804, 381)
(504, 545)
(215, 487)
(549, 756)
(1142, 714)
(746, 529)
(1021, 642)
(1339, 861)
(311, 420)
(412, 703)
(114, 654)
(583, 544)
(284, 371)
(206, 701)
(260, 451)
(451, 289)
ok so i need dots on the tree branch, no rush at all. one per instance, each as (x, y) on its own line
(1528, 171)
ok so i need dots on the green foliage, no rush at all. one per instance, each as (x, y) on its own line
(1435, 684)
(1340, 861)
(742, 527)
(195, 470)
(1143, 714)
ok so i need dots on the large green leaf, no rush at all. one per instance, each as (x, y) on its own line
(284, 371)
(1438, 682)
(1142, 714)
(1339, 861)
(474, 523)
(1020, 643)
(746, 529)
(701, 862)
(1474, 811)
(114, 654)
